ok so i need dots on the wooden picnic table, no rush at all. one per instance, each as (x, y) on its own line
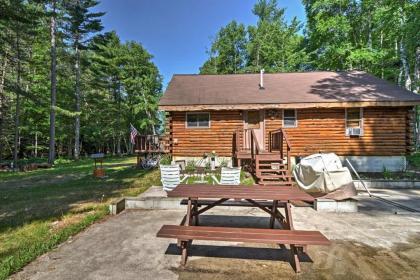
(267, 198)
(280, 197)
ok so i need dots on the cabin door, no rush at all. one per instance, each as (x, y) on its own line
(254, 120)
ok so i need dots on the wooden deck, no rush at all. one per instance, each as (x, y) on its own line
(151, 144)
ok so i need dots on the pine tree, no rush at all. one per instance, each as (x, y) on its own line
(80, 24)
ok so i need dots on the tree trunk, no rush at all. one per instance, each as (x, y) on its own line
(2, 101)
(382, 61)
(405, 65)
(36, 144)
(148, 114)
(69, 149)
(127, 149)
(369, 42)
(400, 74)
(119, 145)
(51, 151)
(77, 120)
(17, 111)
(417, 71)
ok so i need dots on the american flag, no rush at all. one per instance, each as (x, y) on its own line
(133, 134)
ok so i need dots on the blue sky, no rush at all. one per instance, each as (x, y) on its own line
(178, 32)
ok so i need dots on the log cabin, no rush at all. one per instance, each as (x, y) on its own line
(264, 119)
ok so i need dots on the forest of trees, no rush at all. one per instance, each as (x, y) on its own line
(381, 37)
(66, 87)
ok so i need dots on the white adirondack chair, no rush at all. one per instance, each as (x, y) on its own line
(229, 176)
(170, 176)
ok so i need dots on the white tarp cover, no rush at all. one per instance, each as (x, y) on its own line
(322, 173)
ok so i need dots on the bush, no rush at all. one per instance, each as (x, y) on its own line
(166, 160)
(190, 166)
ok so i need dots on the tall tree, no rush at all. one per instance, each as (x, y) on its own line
(53, 77)
(228, 49)
(272, 44)
(80, 25)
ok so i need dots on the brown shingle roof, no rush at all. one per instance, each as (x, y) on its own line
(282, 88)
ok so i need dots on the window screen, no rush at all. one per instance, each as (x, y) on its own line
(198, 120)
(354, 118)
(289, 118)
(354, 122)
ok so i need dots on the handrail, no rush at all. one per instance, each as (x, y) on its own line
(238, 145)
(281, 130)
(279, 137)
(255, 150)
(255, 141)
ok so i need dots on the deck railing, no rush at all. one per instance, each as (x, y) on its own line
(280, 142)
(151, 144)
(254, 145)
(243, 138)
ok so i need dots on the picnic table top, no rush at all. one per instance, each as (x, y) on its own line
(280, 193)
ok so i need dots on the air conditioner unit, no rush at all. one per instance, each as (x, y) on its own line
(354, 131)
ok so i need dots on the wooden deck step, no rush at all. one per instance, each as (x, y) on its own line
(266, 157)
(270, 165)
(273, 176)
(251, 235)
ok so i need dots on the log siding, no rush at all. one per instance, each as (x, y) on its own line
(387, 132)
(197, 141)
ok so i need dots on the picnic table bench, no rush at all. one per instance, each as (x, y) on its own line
(266, 198)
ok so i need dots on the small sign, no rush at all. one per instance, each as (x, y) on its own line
(99, 155)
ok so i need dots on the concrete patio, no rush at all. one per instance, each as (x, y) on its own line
(375, 243)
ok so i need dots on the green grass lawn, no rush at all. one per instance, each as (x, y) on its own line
(42, 208)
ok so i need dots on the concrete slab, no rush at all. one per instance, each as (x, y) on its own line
(125, 246)
(154, 191)
(330, 205)
(154, 198)
(387, 184)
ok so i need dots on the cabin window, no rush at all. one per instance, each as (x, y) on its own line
(289, 118)
(198, 120)
(354, 121)
(254, 119)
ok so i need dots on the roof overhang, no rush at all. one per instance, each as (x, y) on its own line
(203, 107)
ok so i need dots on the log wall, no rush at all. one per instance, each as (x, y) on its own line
(386, 132)
(197, 141)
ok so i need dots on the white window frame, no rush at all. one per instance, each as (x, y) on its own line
(197, 127)
(296, 119)
(362, 131)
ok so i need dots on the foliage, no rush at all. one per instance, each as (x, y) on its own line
(386, 174)
(207, 167)
(273, 44)
(414, 160)
(379, 37)
(223, 162)
(106, 83)
(166, 160)
(190, 166)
